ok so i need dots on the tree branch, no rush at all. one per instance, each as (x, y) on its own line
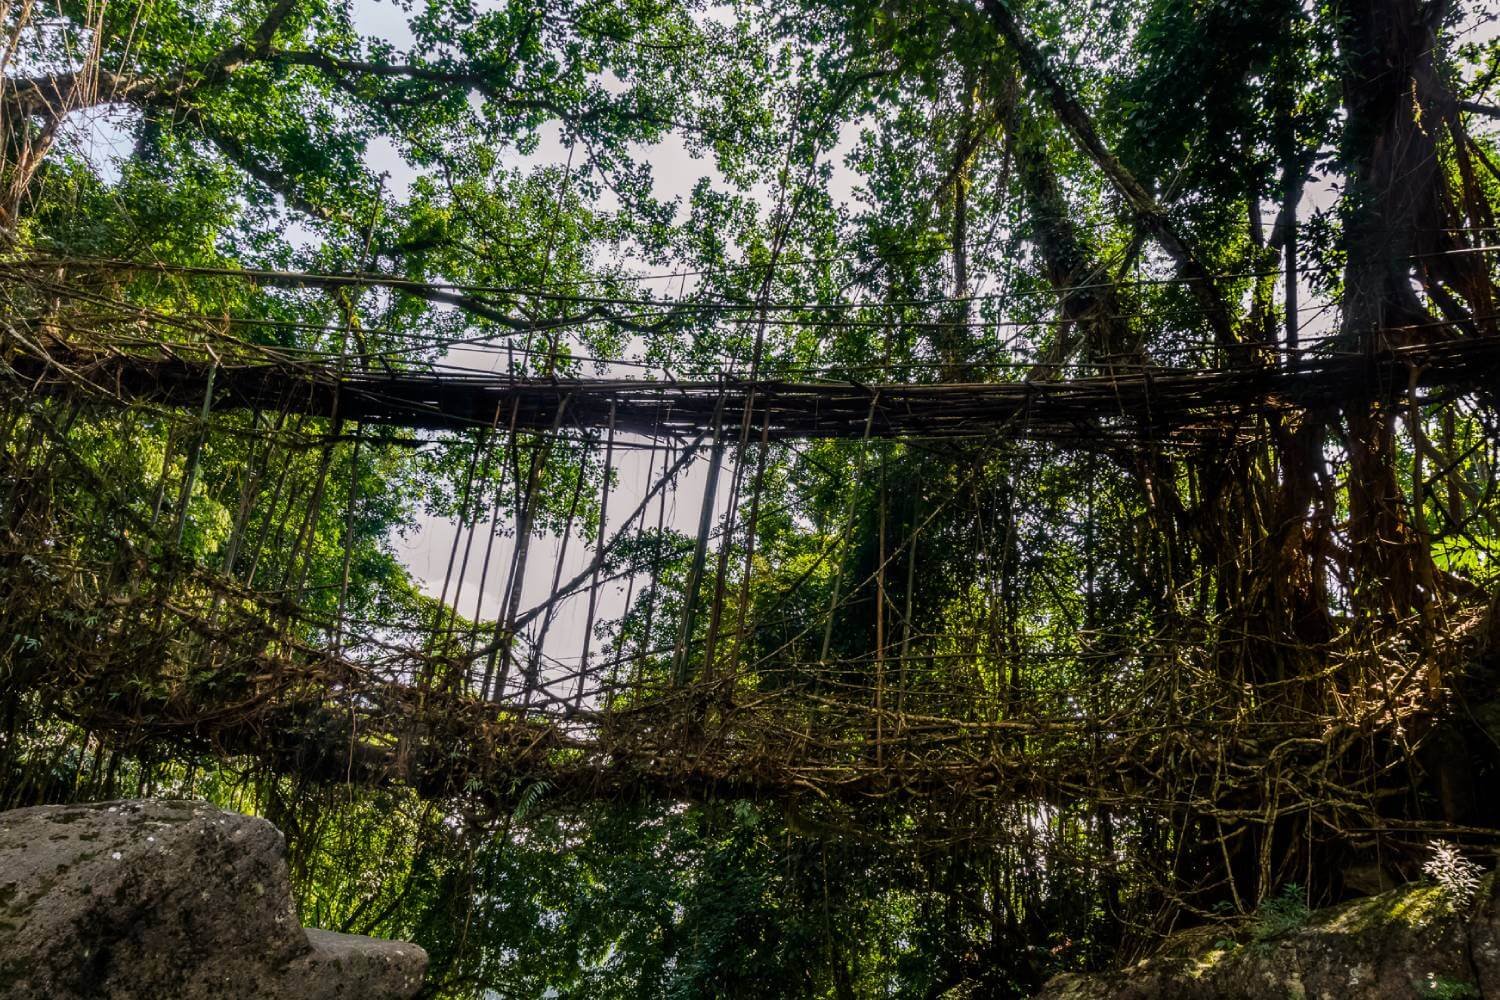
(56, 94)
(237, 153)
(1475, 108)
(256, 49)
(1152, 217)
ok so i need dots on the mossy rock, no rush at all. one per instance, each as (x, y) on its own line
(138, 900)
(1406, 943)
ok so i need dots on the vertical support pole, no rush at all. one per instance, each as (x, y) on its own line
(1292, 189)
(194, 454)
(750, 530)
(588, 625)
(911, 576)
(880, 632)
(458, 534)
(511, 606)
(619, 658)
(251, 488)
(338, 619)
(661, 523)
(489, 549)
(700, 551)
(838, 577)
(550, 615)
(299, 557)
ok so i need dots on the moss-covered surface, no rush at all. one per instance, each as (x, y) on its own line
(1411, 942)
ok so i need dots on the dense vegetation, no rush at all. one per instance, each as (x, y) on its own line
(1035, 700)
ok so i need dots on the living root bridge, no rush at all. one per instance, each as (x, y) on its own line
(445, 745)
(1114, 410)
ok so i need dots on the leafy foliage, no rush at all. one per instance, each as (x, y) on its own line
(1272, 632)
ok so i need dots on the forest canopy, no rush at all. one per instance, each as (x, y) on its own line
(767, 498)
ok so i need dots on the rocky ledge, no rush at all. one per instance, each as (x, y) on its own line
(1412, 942)
(144, 900)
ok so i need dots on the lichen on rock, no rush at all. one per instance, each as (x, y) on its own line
(151, 899)
(1409, 942)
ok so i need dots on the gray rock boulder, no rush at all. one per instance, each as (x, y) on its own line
(161, 900)
(1409, 942)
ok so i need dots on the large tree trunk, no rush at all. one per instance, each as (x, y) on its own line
(1397, 210)
(1395, 103)
(1089, 308)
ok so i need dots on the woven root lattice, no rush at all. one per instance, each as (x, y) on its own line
(162, 584)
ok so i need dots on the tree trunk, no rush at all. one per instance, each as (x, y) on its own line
(1396, 213)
